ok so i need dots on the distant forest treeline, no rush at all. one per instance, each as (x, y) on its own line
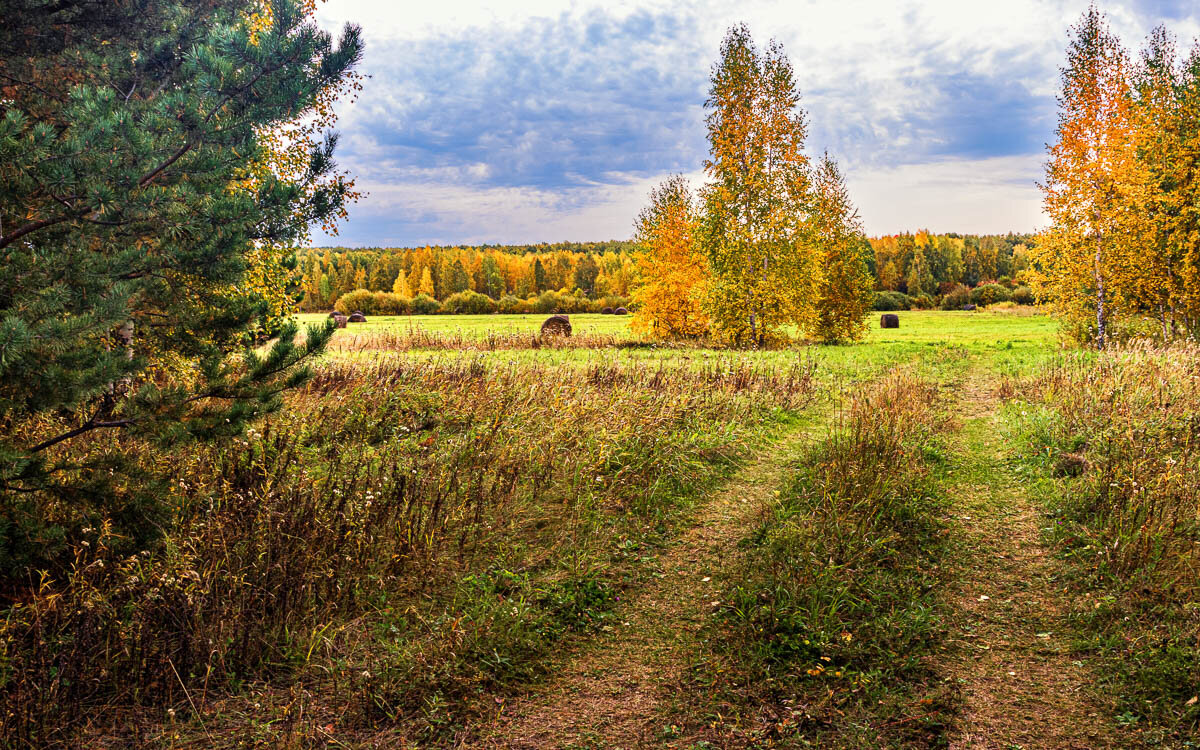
(919, 263)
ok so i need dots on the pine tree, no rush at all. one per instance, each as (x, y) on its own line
(493, 281)
(920, 277)
(127, 220)
(755, 232)
(586, 271)
(459, 280)
(539, 277)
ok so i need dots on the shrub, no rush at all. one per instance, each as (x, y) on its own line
(614, 301)
(359, 299)
(469, 303)
(423, 304)
(511, 305)
(1023, 295)
(956, 297)
(892, 301)
(922, 302)
(987, 294)
(547, 302)
(550, 302)
(372, 303)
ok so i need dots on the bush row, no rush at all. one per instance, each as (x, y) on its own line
(955, 298)
(473, 303)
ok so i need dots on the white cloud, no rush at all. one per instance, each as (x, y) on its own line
(982, 196)
(937, 108)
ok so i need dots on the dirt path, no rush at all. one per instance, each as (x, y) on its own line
(1009, 644)
(608, 695)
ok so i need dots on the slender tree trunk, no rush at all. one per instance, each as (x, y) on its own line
(1101, 321)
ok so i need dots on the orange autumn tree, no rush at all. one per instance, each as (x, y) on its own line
(670, 265)
(1095, 184)
(844, 296)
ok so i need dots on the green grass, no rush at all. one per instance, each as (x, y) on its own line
(1013, 344)
(974, 330)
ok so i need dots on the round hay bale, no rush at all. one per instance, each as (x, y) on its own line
(358, 317)
(557, 325)
(334, 313)
(620, 311)
(606, 311)
(339, 320)
(889, 320)
(969, 308)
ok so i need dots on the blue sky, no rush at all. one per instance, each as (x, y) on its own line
(544, 121)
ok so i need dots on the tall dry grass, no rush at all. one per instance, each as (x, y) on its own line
(1121, 431)
(406, 534)
(1129, 425)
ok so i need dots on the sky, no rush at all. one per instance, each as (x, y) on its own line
(539, 121)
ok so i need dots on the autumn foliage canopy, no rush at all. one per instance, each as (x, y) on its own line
(751, 260)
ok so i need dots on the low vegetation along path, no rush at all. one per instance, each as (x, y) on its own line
(1009, 645)
(1008, 648)
(608, 694)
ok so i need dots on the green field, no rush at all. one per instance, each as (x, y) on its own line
(971, 329)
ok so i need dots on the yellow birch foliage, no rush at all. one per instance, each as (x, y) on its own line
(400, 286)
(287, 156)
(670, 267)
(845, 295)
(1089, 256)
(426, 285)
(755, 232)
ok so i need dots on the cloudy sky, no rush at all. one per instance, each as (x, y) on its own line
(531, 120)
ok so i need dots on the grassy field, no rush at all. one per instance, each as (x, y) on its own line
(457, 535)
(972, 329)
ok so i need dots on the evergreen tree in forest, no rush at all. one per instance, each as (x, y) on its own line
(128, 208)
(539, 277)
(586, 271)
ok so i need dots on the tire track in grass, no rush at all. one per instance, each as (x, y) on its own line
(609, 694)
(1009, 644)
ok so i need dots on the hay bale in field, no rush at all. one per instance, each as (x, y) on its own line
(358, 317)
(339, 320)
(557, 325)
(620, 311)
(890, 320)
(334, 313)
(969, 308)
(606, 311)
